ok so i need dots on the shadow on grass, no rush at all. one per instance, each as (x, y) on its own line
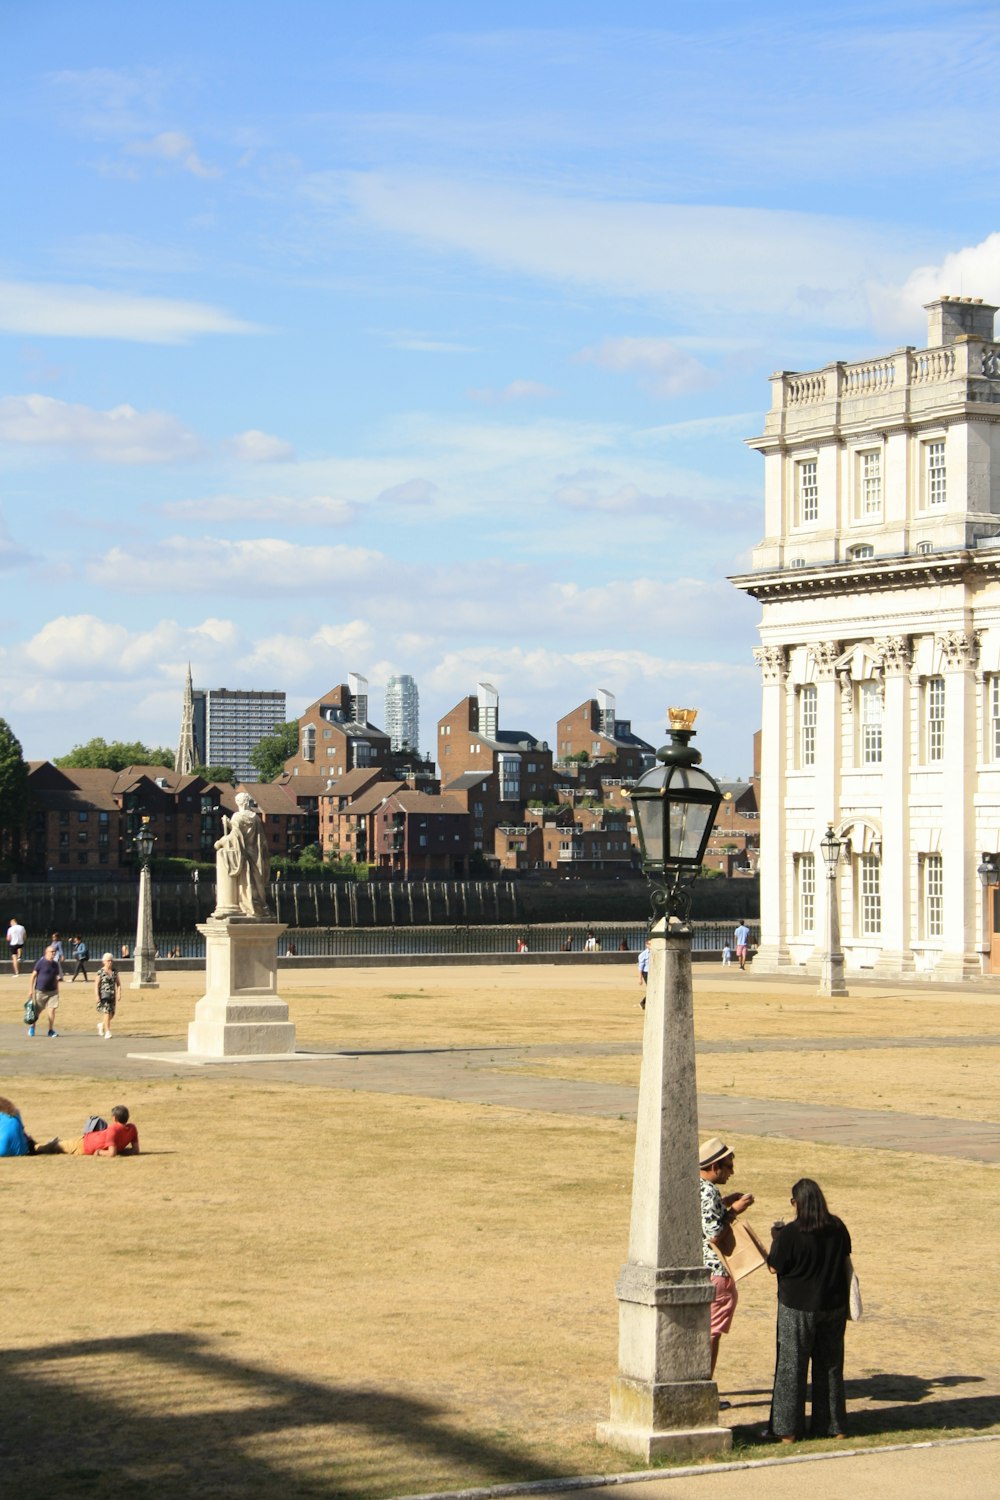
(167, 1416)
(885, 1404)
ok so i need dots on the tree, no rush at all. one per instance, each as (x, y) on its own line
(215, 773)
(13, 796)
(269, 754)
(97, 755)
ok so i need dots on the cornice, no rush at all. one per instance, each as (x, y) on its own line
(873, 575)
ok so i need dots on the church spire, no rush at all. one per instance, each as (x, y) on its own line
(184, 759)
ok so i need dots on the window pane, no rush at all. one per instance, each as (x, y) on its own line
(934, 895)
(871, 895)
(807, 893)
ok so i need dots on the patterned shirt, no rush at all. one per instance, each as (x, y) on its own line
(713, 1217)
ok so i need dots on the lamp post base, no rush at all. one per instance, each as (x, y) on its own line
(676, 1420)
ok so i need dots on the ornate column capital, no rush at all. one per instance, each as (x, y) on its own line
(960, 648)
(773, 662)
(824, 655)
(895, 653)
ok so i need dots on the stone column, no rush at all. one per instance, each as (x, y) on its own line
(664, 1400)
(144, 961)
(773, 953)
(896, 656)
(241, 1013)
(960, 651)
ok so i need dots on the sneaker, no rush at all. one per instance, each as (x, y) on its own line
(100, 1028)
(53, 1033)
(31, 1030)
(107, 1036)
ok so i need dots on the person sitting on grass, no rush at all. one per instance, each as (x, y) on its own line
(13, 1140)
(117, 1139)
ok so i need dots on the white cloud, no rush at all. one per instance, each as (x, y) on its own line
(52, 310)
(720, 260)
(192, 565)
(314, 510)
(256, 447)
(174, 146)
(626, 499)
(517, 390)
(975, 269)
(121, 435)
(410, 492)
(661, 366)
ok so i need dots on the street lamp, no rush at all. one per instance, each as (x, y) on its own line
(832, 973)
(144, 965)
(663, 1400)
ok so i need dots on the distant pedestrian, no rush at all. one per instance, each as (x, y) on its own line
(727, 955)
(125, 952)
(108, 989)
(16, 939)
(567, 946)
(81, 953)
(591, 944)
(741, 940)
(45, 981)
(56, 944)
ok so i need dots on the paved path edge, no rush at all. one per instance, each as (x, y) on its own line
(690, 1471)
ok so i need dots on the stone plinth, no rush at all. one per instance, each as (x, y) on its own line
(664, 1400)
(241, 1013)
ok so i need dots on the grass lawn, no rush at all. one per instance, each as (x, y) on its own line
(300, 1290)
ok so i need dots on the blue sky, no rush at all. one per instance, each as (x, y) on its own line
(425, 338)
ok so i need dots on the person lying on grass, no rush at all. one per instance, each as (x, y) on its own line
(117, 1139)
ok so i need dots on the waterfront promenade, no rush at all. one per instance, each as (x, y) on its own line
(411, 1236)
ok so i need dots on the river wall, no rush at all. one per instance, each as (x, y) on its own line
(94, 907)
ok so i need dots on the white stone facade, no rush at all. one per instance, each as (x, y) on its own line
(879, 579)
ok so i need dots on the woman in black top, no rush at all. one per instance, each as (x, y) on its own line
(810, 1256)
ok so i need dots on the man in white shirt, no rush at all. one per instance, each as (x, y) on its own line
(16, 938)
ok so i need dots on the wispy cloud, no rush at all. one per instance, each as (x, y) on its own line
(660, 365)
(410, 492)
(191, 565)
(175, 147)
(516, 390)
(283, 510)
(46, 309)
(119, 436)
(256, 447)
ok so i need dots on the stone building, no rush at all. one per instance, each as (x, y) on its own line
(879, 581)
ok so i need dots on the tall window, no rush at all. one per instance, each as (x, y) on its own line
(807, 491)
(935, 486)
(934, 895)
(869, 485)
(870, 892)
(807, 725)
(870, 702)
(994, 724)
(807, 893)
(934, 729)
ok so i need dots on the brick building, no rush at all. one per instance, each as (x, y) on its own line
(593, 730)
(416, 836)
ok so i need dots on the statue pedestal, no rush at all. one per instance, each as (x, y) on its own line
(241, 1013)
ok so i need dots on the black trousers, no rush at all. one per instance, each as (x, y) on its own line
(81, 968)
(804, 1337)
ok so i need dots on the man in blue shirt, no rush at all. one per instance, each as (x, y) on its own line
(741, 937)
(46, 979)
(13, 1141)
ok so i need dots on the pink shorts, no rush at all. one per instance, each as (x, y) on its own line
(724, 1306)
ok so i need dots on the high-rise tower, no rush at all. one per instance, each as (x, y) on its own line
(402, 713)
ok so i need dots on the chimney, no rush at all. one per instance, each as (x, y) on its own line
(358, 688)
(606, 710)
(488, 699)
(951, 318)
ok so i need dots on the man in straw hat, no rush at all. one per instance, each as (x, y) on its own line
(715, 1162)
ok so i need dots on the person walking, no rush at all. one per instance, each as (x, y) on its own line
(55, 942)
(716, 1164)
(811, 1257)
(16, 939)
(741, 941)
(81, 953)
(108, 989)
(45, 981)
(642, 964)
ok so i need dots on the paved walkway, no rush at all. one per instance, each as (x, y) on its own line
(479, 1075)
(965, 1469)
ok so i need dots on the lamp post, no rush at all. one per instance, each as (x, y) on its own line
(144, 965)
(989, 874)
(663, 1400)
(831, 980)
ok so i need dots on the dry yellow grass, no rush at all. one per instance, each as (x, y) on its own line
(303, 1291)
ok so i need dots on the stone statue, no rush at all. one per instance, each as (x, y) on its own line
(243, 864)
